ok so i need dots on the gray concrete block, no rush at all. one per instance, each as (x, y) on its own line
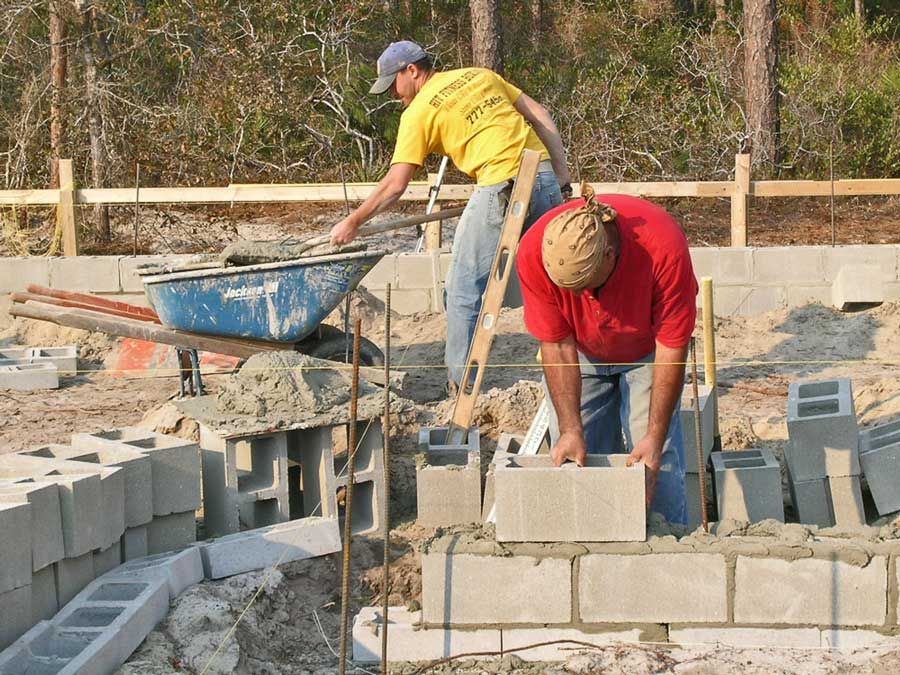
(15, 533)
(846, 500)
(849, 640)
(15, 618)
(748, 485)
(171, 533)
(802, 295)
(134, 543)
(29, 377)
(810, 591)
(47, 545)
(822, 430)
(93, 274)
(748, 300)
(685, 587)
(408, 641)
(725, 265)
(692, 496)
(812, 501)
(14, 354)
(73, 574)
(535, 501)
(461, 588)
(107, 559)
(16, 274)
(384, 273)
(447, 493)
(414, 270)
(515, 638)
(44, 602)
(180, 569)
(510, 443)
(788, 264)
(175, 464)
(268, 546)
(879, 458)
(707, 425)
(64, 358)
(745, 637)
(432, 440)
(857, 284)
(883, 258)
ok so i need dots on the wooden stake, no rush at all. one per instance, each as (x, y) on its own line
(65, 211)
(698, 437)
(709, 346)
(739, 200)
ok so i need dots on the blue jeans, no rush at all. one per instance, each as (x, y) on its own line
(474, 247)
(615, 412)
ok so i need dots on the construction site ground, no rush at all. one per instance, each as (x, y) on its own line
(293, 624)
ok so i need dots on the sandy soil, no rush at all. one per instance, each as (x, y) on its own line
(293, 624)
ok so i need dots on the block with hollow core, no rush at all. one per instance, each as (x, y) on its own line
(174, 464)
(655, 588)
(707, 425)
(855, 284)
(15, 533)
(822, 429)
(447, 493)
(73, 574)
(810, 591)
(535, 501)
(47, 545)
(171, 533)
(179, 569)
(29, 376)
(64, 358)
(15, 618)
(879, 458)
(138, 490)
(748, 485)
(433, 439)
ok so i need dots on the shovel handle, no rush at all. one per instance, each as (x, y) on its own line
(377, 228)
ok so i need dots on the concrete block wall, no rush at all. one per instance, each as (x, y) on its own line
(448, 492)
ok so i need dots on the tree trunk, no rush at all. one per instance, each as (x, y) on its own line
(721, 11)
(58, 66)
(487, 37)
(89, 44)
(761, 81)
(537, 21)
(859, 7)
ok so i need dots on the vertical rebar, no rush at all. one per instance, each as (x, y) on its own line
(137, 204)
(386, 433)
(831, 173)
(698, 436)
(348, 496)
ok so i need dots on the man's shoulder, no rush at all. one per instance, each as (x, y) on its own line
(646, 222)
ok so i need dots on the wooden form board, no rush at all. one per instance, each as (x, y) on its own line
(501, 270)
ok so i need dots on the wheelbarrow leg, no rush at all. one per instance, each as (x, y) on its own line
(189, 373)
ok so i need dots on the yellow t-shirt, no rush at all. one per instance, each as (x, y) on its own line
(467, 114)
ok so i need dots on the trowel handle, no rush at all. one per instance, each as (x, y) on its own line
(377, 228)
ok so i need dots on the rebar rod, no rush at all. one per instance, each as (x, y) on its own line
(386, 434)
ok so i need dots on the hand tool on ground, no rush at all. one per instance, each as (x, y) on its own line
(432, 199)
(698, 436)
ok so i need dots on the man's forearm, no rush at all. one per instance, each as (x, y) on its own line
(549, 135)
(668, 383)
(385, 193)
(564, 383)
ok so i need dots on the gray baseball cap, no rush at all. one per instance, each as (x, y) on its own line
(395, 58)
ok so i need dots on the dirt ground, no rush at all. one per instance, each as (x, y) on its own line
(292, 625)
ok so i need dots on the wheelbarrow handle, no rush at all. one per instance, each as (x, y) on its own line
(377, 228)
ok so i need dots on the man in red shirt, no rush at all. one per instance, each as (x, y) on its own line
(609, 287)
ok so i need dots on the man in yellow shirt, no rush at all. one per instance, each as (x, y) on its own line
(483, 124)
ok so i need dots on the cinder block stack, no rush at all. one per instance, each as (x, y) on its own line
(688, 434)
(448, 479)
(823, 454)
(748, 485)
(32, 368)
(879, 458)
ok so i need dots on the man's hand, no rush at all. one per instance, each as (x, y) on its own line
(570, 446)
(343, 233)
(649, 452)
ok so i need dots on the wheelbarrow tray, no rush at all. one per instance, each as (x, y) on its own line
(278, 301)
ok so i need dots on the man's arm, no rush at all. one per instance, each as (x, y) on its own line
(539, 118)
(665, 393)
(564, 383)
(388, 190)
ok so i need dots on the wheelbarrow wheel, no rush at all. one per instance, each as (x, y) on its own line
(334, 348)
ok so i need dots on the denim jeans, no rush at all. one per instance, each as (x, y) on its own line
(615, 412)
(474, 247)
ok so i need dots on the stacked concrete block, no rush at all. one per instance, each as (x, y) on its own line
(44, 598)
(15, 570)
(134, 543)
(856, 284)
(447, 492)
(879, 458)
(707, 425)
(64, 358)
(748, 485)
(824, 445)
(13, 355)
(692, 496)
(29, 376)
(434, 440)
(178, 569)
(73, 574)
(535, 501)
(46, 526)
(171, 533)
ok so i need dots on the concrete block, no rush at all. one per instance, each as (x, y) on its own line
(15, 618)
(64, 358)
(510, 443)
(432, 440)
(268, 546)
(857, 284)
(137, 490)
(513, 638)
(92, 274)
(408, 641)
(134, 543)
(748, 485)
(692, 496)
(685, 587)
(447, 493)
(15, 533)
(810, 591)
(535, 501)
(848, 640)
(174, 464)
(748, 300)
(407, 301)
(414, 270)
(788, 264)
(171, 533)
(724, 265)
(107, 559)
(44, 602)
(180, 570)
(812, 501)
(883, 258)
(46, 528)
(802, 295)
(707, 425)
(846, 500)
(14, 353)
(16, 274)
(461, 588)
(745, 637)
(73, 574)
(384, 273)
(879, 458)
(29, 377)
(822, 430)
